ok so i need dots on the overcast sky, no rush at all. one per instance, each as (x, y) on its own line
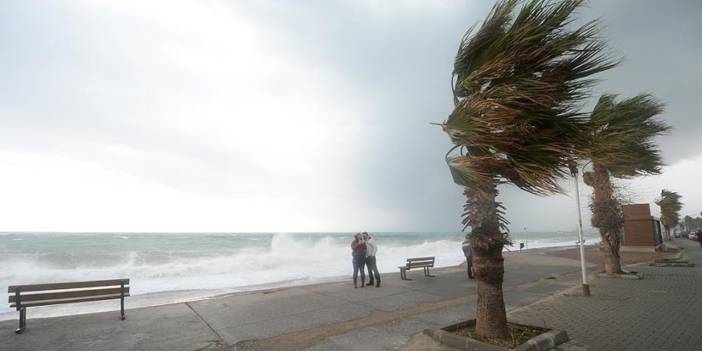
(281, 116)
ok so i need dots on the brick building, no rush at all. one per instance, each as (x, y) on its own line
(642, 232)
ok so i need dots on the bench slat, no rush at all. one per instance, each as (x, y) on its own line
(415, 265)
(73, 285)
(70, 300)
(420, 259)
(25, 298)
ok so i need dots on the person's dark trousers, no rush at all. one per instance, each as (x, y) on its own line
(358, 263)
(469, 266)
(372, 269)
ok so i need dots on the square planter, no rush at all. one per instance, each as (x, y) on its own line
(547, 340)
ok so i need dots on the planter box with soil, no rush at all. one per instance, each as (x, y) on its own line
(522, 338)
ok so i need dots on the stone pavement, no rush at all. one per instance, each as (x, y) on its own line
(331, 316)
(663, 311)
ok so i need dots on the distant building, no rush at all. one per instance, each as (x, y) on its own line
(642, 232)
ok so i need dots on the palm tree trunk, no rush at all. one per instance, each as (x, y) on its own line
(607, 217)
(490, 314)
(483, 213)
(612, 259)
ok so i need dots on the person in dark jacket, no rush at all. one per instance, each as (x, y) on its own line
(468, 252)
(358, 251)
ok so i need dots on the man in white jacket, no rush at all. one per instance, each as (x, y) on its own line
(371, 249)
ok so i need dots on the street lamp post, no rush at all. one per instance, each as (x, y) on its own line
(574, 173)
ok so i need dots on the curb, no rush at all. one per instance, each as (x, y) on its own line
(545, 341)
(542, 342)
(630, 276)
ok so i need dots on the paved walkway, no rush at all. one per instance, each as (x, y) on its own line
(660, 312)
(663, 311)
(331, 316)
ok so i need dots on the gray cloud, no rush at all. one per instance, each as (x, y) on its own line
(109, 89)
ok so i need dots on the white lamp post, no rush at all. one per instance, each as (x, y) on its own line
(574, 173)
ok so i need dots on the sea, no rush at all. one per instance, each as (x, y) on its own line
(175, 267)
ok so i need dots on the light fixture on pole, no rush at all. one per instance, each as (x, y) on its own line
(581, 241)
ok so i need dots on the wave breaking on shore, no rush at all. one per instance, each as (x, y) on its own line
(167, 268)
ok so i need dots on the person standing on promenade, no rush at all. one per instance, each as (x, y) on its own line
(371, 249)
(468, 252)
(358, 250)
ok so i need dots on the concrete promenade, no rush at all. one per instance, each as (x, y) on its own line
(661, 312)
(331, 316)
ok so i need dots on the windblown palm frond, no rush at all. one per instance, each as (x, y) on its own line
(621, 135)
(670, 205)
(518, 81)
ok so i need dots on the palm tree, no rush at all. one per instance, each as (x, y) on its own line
(687, 222)
(517, 81)
(691, 223)
(670, 205)
(619, 145)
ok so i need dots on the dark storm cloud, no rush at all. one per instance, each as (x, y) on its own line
(659, 42)
(403, 61)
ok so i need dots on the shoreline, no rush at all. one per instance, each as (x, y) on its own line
(329, 315)
(161, 298)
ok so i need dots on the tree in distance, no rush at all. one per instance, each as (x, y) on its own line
(670, 205)
(619, 143)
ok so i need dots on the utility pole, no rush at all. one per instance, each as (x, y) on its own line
(574, 173)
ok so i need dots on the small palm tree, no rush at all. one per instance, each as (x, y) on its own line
(670, 205)
(619, 145)
(516, 83)
(689, 223)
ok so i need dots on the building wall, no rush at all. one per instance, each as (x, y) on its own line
(639, 226)
(637, 211)
(639, 233)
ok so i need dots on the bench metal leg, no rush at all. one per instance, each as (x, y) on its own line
(404, 274)
(426, 272)
(122, 309)
(22, 320)
(121, 303)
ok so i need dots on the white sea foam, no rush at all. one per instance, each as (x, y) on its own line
(213, 264)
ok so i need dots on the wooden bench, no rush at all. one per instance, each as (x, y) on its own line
(23, 296)
(417, 262)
